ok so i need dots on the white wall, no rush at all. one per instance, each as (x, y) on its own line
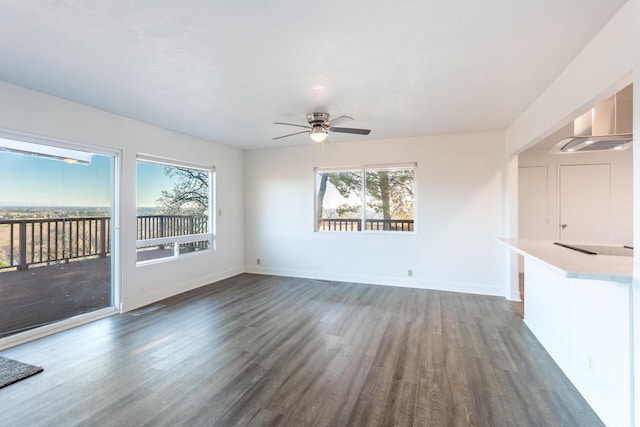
(31, 112)
(459, 214)
(605, 66)
(608, 63)
(621, 187)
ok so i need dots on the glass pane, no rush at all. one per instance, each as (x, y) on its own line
(172, 201)
(55, 234)
(186, 248)
(389, 199)
(339, 201)
(148, 253)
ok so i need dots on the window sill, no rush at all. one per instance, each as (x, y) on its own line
(172, 258)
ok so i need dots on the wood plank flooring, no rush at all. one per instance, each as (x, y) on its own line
(42, 295)
(272, 351)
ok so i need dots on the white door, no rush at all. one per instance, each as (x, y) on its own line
(533, 202)
(585, 203)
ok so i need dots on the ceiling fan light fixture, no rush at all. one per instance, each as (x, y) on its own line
(318, 134)
(319, 127)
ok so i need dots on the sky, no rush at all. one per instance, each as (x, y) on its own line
(152, 179)
(35, 181)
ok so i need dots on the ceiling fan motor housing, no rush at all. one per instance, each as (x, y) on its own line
(315, 119)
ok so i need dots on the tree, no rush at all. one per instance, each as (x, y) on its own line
(190, 194)
(390, 191)
(322, 189)
(346, 183)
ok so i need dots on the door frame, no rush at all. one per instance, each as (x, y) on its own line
(116, 239)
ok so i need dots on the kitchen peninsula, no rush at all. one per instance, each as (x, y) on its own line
(578, 307)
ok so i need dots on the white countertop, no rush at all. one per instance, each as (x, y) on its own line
(572, 263)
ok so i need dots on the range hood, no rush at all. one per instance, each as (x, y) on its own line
(607, 126)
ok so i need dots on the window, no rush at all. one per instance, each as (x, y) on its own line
(174, 206)
(379, 198)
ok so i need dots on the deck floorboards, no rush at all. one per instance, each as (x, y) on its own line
(43, 295)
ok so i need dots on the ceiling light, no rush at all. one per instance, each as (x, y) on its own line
(318, 134)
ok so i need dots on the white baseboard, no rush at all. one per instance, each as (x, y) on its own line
(514, 296)
(404, 282)
(151, 297)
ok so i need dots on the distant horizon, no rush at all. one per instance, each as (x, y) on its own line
(39, 212)
(36, 182)
(27, 205)
(35, 206)
(24, 205)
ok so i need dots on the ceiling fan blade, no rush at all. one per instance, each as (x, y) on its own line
(351, 130)
(291, 134)
(338, 120)
(292, 124)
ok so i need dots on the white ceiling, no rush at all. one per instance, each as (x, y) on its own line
(226, 70)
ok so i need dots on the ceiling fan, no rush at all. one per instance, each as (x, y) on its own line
(320, 125)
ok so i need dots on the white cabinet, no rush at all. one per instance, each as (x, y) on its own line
(584, 324)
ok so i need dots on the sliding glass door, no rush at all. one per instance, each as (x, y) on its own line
(56, 233)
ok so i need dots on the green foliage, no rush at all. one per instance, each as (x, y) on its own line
(3, 263)
(346, 183)
(389, 191)
(190, 194)
(347, 211)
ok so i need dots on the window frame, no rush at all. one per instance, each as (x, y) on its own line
(363, 169)
(65, 150)
(210, 236)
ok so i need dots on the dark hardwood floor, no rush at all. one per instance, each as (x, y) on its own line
(42, 295)
(263, 350)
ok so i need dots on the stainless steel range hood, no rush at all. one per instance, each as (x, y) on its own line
(607, 126)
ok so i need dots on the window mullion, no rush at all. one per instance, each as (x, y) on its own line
(363, 218)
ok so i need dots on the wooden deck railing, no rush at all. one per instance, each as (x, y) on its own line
(154, 226)
(45, 241)
(30, 242)
(345, 224)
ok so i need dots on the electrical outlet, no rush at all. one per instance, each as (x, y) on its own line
(258, 261)
(410, 272)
